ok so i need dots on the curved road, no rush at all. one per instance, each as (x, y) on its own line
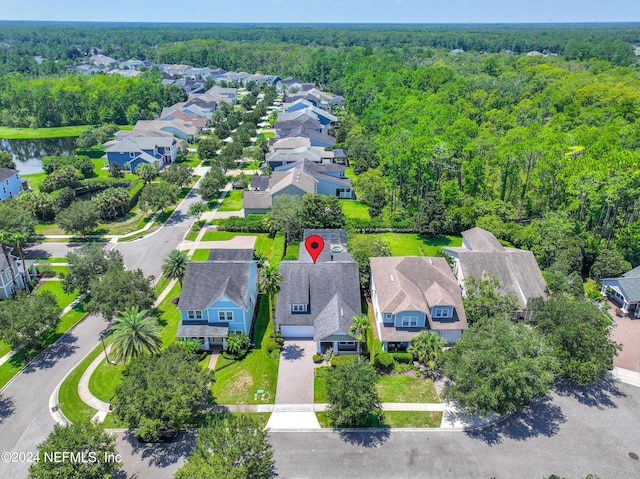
(25, 419)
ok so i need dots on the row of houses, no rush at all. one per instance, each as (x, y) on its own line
(157, 141)
(318, 300)
(301, 156)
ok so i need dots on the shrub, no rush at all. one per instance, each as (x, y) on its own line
(318, 358)
(275, 354)
(384, 361)
(94, 152)
(81, 163)
(403, 358)
(290, 257)
(271, 345)
(64, 176)
(252, 223)
(64, 198)
(279, 338)
(339, 360)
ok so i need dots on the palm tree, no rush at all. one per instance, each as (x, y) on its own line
(134, 335)
(6, 237)
(197, 209)
(237, 342)
(269, 281)
(427, 347)
(359, 328)
(175, 265)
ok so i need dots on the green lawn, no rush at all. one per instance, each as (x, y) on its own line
(35, 180)
(232, 201)
(237, 382)
(264, 243)
(4, 348)
(105, 379)
(200, 255)
(250, 166)
(423, 419)
(293, 249)
(349, 173)
(57, 132)
(406, 389)
(58, 270)
(161, 284)
(411, 244)
(50, 260)
(355, 209)
(319, 385)
(267, 134)
(55, 287)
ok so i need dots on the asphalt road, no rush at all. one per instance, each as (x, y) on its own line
(572, 433)
(25, 419)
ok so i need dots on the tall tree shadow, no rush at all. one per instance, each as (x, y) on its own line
(63, 348)
(292, 352)
(7, 407)
(163, 454)
(540, 418)
(600, 394)
(364, 437)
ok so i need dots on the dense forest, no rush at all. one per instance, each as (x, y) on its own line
(541, 150)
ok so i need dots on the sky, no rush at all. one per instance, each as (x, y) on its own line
(324, 11)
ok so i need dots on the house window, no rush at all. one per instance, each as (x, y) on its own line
(408, 321)
(441, 313)
(132, 154)
(298, 308)
(388, 316)
(194, 314)
(225, 315)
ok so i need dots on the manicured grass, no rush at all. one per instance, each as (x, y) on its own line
(71, 405)
(168, 316)
(232, 201)
(264, 243)
(191, 235)
(411, 244)
(58, 270)
(4, 348)
(219, 235)
(251, 166)
(55, 287)
(161, 284)
(56, 132)
(293, 249)
(413, 419)
(72, 316)
(50, 260)
(349, 173)
(319, 385)
(406, 389)
(267, 134)
(193, 160)
(355, 209)
(237, 382)
(35, 180)
(105, 379)
(200, 255)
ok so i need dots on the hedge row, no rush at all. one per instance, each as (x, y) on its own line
(94, 152)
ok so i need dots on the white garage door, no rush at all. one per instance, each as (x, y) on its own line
(297, 331)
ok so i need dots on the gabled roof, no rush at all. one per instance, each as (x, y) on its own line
(6, 173)
(256, 200)
(312, 135)
(137, 143)
(333, 299)
(629, 283)
(289, 143)
(516, 270)
(260, 182)
(206, 282)
(418, 283)
(335, 246)
(231, 254)
(280, 180)
(313, 167)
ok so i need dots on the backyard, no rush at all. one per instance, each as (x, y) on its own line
(355, 209)
(412, 244)
(232, 201)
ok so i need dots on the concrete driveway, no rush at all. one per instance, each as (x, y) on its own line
(295, 374)
(294, 393)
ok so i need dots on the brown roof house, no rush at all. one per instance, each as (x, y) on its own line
(516, 269)
(411, 294)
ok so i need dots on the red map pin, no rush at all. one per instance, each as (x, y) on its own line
(314, 245)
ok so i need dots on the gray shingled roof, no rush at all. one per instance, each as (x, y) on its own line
(256, 200)
(418, 283)
(479, 239)
(231, 255)
(260, 182)
(331, 289)
(335, 237)
(282, 179)
(629, 283)
(205, 282)
(6, 173)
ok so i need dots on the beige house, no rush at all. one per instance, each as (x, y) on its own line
(411, 294)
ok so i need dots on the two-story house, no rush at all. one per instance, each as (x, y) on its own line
(135, 150)
(218, 297)
(10, 183)
(624, 291)
(318, 301)
(411, 294)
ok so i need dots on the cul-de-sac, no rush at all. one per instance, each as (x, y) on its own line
(281, 247)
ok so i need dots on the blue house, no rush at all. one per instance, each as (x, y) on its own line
(135, 150)
(10, 182)
(330, 177)
(218, 297)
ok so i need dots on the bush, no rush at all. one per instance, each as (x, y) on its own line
(64, 198)
(402, 358)
(384, 361)
(290, 257)
(318, 358)
(64, 176)
(94, 152)
(252, 224)
(275, 354)
(81, 163)
(279, 338)
(271, 345)
(339, 360)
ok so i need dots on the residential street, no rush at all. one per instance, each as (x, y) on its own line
(25, 419)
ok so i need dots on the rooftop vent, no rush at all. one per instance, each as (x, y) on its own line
(342, 312)
(391, 278)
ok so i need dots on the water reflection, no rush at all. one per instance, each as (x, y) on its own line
(28, 153)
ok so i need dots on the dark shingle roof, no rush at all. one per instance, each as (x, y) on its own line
(231, 255)
(331, 289)
(207, 281)
(629, 283)
(332, 238)
(6, 173)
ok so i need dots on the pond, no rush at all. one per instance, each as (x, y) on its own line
(28, 153)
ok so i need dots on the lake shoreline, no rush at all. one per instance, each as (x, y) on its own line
(41, 133)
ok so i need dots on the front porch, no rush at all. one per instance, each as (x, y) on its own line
(620, 306)
(210, 337)
(338, 347)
